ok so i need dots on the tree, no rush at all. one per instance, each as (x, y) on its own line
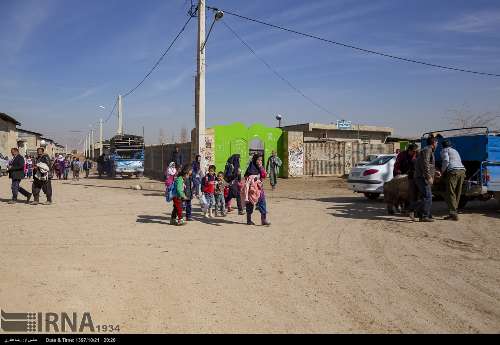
(184, 135)
(464, 117)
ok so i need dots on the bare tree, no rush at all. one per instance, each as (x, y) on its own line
(464, 117)
(184, 135)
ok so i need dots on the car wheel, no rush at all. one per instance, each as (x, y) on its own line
(372, 196)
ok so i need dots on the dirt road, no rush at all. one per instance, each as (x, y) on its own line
(331, 262)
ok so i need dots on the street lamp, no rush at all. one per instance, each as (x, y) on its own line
(279, 118)
(218, 15)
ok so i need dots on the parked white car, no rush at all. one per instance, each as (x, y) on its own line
(369, 179)
(369, 158)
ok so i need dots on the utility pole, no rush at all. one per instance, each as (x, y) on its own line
(85, 147)
(92, 143)
(120, 116)
(100, 138)
(88, 145)
(200, 84)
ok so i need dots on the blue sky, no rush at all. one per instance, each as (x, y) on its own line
(61, 59)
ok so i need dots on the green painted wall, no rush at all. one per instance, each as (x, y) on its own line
(236, 138)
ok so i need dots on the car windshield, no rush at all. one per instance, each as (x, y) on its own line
(381, 160)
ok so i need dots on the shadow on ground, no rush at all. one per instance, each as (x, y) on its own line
(361, 208)
(111, 187)
(147, 219)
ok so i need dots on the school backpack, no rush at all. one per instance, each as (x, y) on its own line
(170, 192)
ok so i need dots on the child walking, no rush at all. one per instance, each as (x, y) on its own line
(220, 203)
(180, 197)
(208, 187)
(253, 190)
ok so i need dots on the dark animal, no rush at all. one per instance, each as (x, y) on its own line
(396, 193)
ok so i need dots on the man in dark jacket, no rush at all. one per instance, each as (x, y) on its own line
(16, 174)
(100, 165)
(404, 160)
(40, 181)
(177, 158)
(405, 165)
(425, 169)
(87, 165)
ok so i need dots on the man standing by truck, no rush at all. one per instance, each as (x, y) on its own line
(454, 175)
(425, 168)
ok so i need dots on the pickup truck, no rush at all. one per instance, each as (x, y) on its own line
(128, 167)
(479, 149)
(126, 157)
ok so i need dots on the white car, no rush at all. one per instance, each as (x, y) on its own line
(369, 179)
(369, 158)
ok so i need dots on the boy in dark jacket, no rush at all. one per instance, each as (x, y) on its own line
(189, 190)
(16, 174)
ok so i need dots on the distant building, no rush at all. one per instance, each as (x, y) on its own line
(8, 133)
(28, 141)
(341, 131)
(49, 145)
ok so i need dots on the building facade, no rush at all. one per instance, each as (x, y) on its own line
(28, 141)
(341, 131)
(8, 133)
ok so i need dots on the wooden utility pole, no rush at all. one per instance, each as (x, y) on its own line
(200, 84)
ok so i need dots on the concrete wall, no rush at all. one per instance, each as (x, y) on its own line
(293, 149)
(8, 137)
(208, 150)
(31, 142)
(157, 158)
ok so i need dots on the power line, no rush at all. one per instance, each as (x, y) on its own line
(160, 59)
(279, 75)
(111, 112)
(151, 70)
(368, 51)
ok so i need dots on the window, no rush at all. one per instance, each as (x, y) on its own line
(382, 160)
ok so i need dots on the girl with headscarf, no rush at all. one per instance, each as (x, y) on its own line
(232, 175)
(254, 190)
(170, 174)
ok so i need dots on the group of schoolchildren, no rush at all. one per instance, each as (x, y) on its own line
(215, 190)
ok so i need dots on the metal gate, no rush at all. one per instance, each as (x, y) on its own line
(324, 159)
